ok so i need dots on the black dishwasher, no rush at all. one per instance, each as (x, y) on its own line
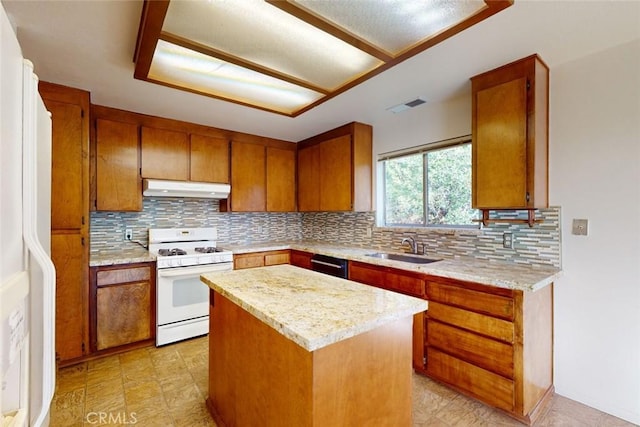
(330, 265)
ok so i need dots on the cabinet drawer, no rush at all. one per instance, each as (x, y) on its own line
(366, 275)
(277, 258)
(125, 275)
(481, 302)
(480, 323)
(487, 386)
(485, 352)
(404, 284)
(248, 261)
(386, 278)
(301, 259)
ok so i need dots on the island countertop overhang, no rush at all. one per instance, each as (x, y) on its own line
(312, 309)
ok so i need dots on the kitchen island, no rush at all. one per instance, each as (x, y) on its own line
(288, 346)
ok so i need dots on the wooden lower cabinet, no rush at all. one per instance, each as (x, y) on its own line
(260, 259)
(493, 344)
(71, 296)
(123, 311)
(398, 281)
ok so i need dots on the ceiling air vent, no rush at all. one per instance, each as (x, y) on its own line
(409, 104)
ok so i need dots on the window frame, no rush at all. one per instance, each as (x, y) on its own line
(422, 150)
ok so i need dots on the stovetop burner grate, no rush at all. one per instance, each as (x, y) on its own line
(171, 252)
(208, 250)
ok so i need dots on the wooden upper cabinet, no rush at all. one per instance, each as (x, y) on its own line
(335, 170)
(309, 179)
(281, 180)
(262, 177)
(118, 182)
(67, 158)
(209, 159)
(510, 136)
(165, 154)
(248, 177)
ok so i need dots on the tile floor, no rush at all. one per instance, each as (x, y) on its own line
(167, 386)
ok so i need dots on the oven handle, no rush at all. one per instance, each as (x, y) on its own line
(328, 264)
(195, 271)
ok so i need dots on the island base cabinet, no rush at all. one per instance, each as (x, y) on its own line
(270, 380)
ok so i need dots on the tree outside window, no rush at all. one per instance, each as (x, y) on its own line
(441, 177)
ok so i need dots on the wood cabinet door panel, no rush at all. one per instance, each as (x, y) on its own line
(503, 330)
(67, 158)
(71, 314)
(495, 356)
(123, 313)
(301, 259)
(281, 180)
(209, 159)
(485, 385)
(164, 154)
(248, 261)
(118, 182)
(275, 258)
(309, 179)
(248, 177)
(336, 174)
(500, 160)
(480, 302)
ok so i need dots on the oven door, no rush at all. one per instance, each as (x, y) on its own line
(180, 293)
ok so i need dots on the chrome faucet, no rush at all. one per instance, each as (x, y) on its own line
(412, 243)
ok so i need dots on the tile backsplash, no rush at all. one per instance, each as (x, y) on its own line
(537, 245)
(107, 228)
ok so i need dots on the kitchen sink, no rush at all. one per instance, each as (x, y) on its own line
(404, 258)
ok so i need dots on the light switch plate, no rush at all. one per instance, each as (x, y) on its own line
(580, 227)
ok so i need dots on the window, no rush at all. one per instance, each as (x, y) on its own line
(429, 186)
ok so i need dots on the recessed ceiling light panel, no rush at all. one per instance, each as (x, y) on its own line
(394, 25)
(201, 73)
(287, 56)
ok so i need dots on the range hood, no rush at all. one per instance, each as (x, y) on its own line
(200, 190)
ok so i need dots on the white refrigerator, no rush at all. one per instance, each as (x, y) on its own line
(27, 275)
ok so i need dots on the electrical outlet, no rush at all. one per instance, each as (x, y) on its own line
(507, 240)
(580, 227)
(128, 234)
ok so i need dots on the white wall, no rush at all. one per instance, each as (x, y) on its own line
(594, 174)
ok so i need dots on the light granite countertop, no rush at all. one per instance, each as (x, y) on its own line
(126, 254)
(488, 272)
(312, 309)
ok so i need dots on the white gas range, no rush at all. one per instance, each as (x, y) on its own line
(182, 300)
